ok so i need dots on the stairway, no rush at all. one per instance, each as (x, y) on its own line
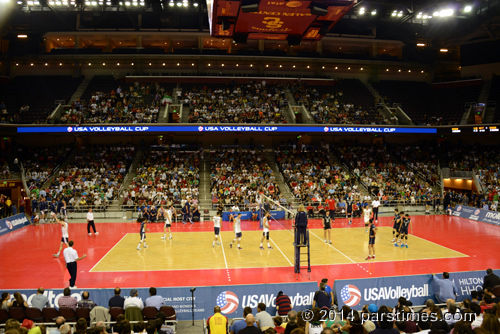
(65, 164)
(289, 97)
(205, 196)
(485, 91)
(132, 171)
(280, 180)
(81, 89)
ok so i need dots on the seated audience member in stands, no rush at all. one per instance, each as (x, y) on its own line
(67, 300)
(40, 300)
(292, 322)
(385, 324)
(217, 323)
(60, 321)
(250, 328)
(86, 302)
(19, 301)
(263, 319)
(277, 324)
(6, 303)
(116, 300)
(133, 300)
(240, 324)
(154, 299)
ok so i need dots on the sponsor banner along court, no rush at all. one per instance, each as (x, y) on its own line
(231, 299)
(485, 216)
(417, 288)
(13, 223)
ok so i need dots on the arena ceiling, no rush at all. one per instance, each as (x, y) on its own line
(452, 22)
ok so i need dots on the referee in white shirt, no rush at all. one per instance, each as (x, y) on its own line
(375, 205)
(90, 222)
(71, 256)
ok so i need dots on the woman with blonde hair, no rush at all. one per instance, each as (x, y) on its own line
(301, 226)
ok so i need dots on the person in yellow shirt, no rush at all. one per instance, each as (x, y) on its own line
(8, 207)
(217, 323)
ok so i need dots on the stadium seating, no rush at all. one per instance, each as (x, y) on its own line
(167, 174)
(246, 103)
(346, 102)
(238, 177)
(105, 101)
(31, 99)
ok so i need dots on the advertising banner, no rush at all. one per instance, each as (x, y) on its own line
(13, 223)
(231, 299)
(416, 288)
(211, 128)
(485, 216)
(247, 215)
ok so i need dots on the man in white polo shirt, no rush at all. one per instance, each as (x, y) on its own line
(90, 222)
(375, 205)
(71, 257)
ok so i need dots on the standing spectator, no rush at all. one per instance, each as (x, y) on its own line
(321, 298)
(71, 257)
(490, 281)
(40, 300)
(328, 290)
(283, 304)
(116, 300)
(447, 289)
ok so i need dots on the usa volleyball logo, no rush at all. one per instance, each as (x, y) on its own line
(228, 302)
(200, 128)
(459, 208)
(9, 225)
(326, 129)
(70, 129)
(350, 294)
(477, 212)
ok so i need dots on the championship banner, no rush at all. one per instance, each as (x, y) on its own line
(417, 288)
(212, 128)
(247, 215)
(485, 216)
(13, 223)
(231, 299)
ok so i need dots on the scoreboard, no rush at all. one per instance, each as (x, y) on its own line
(290, 20)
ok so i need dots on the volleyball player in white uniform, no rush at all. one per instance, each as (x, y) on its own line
(64, 232)
(237, 231)
(167, 215)
(265, 231)
(217, 219)
(366, 216)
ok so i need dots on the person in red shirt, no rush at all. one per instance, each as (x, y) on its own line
(277, 325)
(330, 202)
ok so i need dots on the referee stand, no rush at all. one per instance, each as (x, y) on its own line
(302, 250)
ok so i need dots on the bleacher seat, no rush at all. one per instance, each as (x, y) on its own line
(50, 314)
(34, 314)
(17, 313)
(68, 313)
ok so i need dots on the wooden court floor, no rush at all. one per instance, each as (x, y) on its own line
(183, 252)
(439, 243)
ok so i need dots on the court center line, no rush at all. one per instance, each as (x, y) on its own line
(281, 252)
(224, 253)
(102, 258)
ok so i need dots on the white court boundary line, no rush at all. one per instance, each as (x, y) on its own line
(439, 245)
(224, 253)
(102, 258)
(281, 252)
(347, 257)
